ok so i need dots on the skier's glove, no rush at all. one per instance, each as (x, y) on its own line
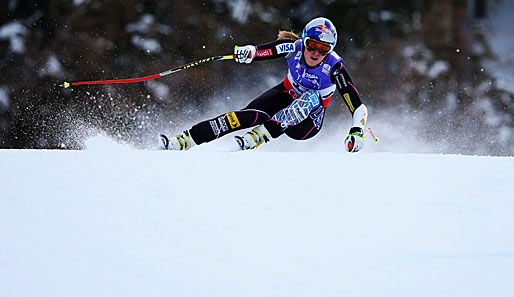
(354, 142)
(244, 54)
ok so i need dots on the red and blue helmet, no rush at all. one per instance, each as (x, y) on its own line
(320, 29)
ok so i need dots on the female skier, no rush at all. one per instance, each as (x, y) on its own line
(297, 105)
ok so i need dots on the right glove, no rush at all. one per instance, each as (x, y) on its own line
(354, 142)
(244, 54)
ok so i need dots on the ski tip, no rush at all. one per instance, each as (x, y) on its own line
(240, 142)
(165, 142)
(65, 85)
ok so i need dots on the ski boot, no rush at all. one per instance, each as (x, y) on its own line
(178, 142)
(253, 138)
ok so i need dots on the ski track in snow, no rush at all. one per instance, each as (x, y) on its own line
(114, 221)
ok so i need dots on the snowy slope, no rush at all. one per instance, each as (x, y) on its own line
(122, 222)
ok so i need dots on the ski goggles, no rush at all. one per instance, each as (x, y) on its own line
(313, 45)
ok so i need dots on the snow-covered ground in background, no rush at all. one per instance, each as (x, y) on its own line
(113, 221)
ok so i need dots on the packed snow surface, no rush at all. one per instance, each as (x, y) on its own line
(113, 221)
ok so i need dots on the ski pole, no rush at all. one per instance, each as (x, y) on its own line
(368, 130)
(132, 80)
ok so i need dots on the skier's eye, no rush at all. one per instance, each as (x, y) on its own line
(321, 48)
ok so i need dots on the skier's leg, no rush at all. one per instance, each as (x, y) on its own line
(273, 129)
(220, 126)
(302, 116)
(307, 128)
(258, 111)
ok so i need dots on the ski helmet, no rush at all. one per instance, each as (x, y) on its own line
(321, 29)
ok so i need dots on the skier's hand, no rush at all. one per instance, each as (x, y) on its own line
(354, 142)
(244, 54)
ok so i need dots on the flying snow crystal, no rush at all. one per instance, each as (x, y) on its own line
(14, 32)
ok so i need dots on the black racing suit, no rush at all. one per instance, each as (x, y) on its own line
(262, 109)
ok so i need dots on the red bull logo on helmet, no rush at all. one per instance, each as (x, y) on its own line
(323, 29)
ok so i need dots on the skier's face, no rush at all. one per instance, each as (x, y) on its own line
(315, 51)
(312, 58)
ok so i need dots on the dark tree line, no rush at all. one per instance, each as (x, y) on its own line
(409, 57)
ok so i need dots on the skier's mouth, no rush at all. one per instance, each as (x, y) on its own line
(314, 60)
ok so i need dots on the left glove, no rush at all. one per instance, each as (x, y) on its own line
(244, 54)
(354, 142)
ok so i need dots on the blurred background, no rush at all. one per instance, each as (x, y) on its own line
(437, 76)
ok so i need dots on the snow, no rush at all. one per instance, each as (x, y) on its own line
(438, 68)
(52, 67)
(4, 98)
(240, 10)
(144, 25)
(501, 38)
(115, 221)
(14, 32)
(148, 45)
(11, 5)
(160, 90)
(80, 2)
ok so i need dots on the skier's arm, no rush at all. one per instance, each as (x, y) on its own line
(340, 76)
(271, 50)
(275, 49)
(351, 97)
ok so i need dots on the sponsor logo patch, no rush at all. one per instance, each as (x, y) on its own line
(340, 79)
(285, 48)
(215, 128)
(223, 124)
(264, 53)
(326, 69)
(311, 76)
(349, 102)
(233, 120)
